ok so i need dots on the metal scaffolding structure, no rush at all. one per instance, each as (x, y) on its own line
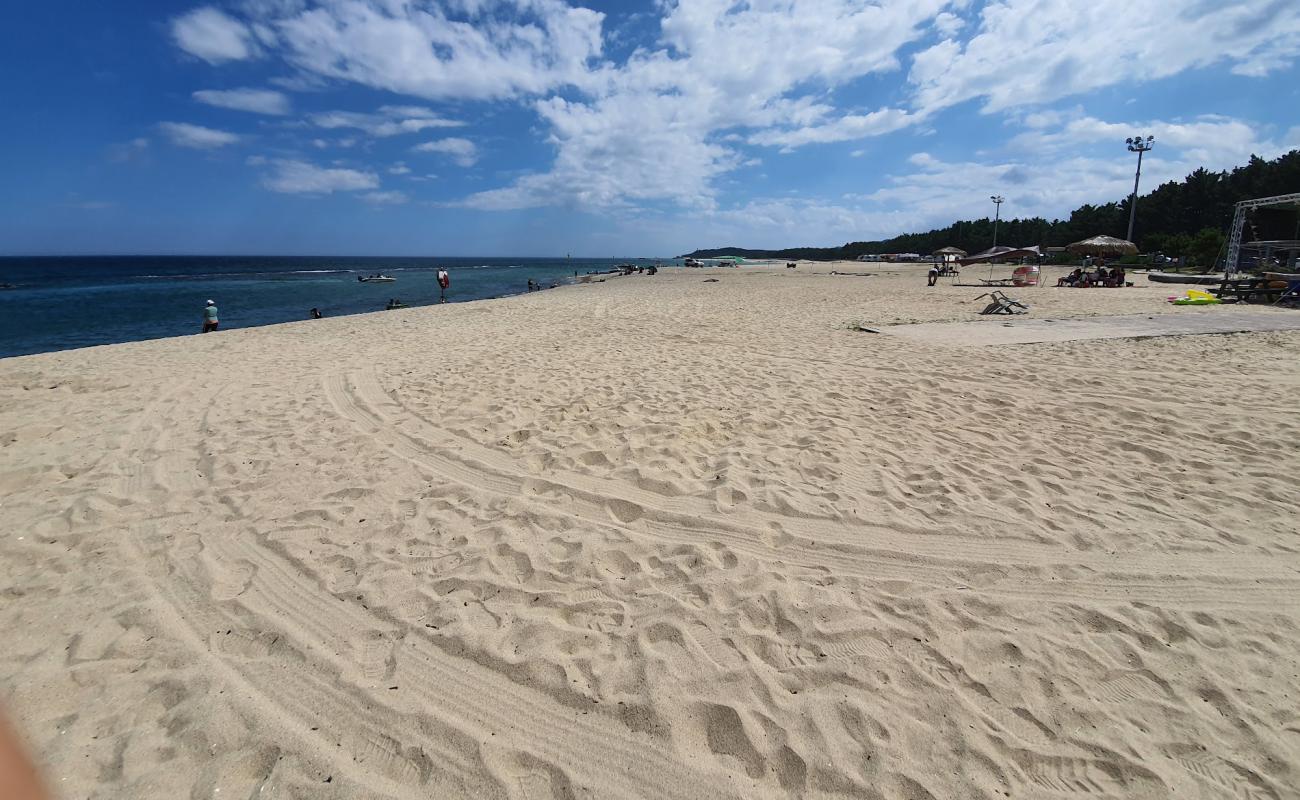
(1239, 222)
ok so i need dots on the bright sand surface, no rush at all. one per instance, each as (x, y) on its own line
(658, 538)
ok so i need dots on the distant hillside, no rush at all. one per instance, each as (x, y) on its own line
(1188, 218)
(807, 253)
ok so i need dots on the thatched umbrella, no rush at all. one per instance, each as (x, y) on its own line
(1103, 246)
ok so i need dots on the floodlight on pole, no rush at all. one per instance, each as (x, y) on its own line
(998, 200)
(1136, 144)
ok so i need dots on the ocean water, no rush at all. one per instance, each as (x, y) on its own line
(65, 302)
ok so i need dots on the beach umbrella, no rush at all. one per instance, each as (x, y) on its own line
(1103, 246)
(999, 252)
(950, 251)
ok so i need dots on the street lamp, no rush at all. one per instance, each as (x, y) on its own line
(1136, 144)
(997, 212)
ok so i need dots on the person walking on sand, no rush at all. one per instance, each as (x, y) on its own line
(210, 320)
(444, 280)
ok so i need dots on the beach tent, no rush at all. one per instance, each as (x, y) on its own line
(1002, 253)
(1103, 246)
(947, 254)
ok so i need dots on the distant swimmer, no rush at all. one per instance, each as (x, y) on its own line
(210, 320)
(315, 313)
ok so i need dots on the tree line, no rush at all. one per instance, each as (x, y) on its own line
(1188, 218)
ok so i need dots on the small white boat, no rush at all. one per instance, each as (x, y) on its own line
(376, 278)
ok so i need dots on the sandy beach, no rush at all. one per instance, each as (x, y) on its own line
(659, 537)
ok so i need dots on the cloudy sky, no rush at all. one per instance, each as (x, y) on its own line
(541, 127)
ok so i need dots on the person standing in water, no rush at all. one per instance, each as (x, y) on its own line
(444, 280)
(210, 320)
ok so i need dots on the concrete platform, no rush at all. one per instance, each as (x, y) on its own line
(1020, 330)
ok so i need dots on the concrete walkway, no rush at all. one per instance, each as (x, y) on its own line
(1176, 322)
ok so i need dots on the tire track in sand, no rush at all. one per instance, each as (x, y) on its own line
(291, 704)
(628, 503)
(1185, 580)
(301, 659)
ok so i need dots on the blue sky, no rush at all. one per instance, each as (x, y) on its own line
(540, 127)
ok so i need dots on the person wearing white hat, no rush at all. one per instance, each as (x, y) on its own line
(210, 317)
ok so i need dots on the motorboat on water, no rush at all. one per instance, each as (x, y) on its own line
(376, 278)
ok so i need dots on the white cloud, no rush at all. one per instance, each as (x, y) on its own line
(1212, 141)
(660, 127)
(1054, 172)
(399, 169)
(1035, 51)
(649, 129)
(940, 191)
(948, 24)
(183, 134)
(213, 36)
(299, 82)
(135, 150)
(1066, 167)
(385, 198)
(421, 50)
(789, 219)
(258, 101)
(848, 127)
(666, 122)
(389, 121)
(300, 177)
(626, 149)
(462, 151)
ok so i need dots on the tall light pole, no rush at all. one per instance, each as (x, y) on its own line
(1136, 144)
(998, 200)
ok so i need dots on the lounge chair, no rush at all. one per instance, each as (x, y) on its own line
(1001, 304)
(1291, 296)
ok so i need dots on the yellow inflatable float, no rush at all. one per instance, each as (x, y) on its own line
(1195, 297)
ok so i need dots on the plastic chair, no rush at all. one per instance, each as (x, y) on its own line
(1001, 304)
